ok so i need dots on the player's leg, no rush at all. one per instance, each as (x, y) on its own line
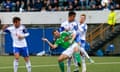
(74, 50)
(61, 58)
(82, 49)
(83, 64)
(28, 64)
(77, 54)
(65, 55)
(16, 52)
(86, 55)
(75, 64)
(76, 58)
(69, 64)
(25, 54)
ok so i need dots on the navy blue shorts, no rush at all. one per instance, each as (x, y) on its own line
(22, 51)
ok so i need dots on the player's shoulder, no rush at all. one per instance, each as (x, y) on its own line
(22, 26)
(10, 27)
(58, 40)
(64, 22)
(64, 32)
(75, 22)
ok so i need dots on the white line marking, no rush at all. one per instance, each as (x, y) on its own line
(35, 66)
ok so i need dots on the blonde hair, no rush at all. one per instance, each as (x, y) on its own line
(83, 15)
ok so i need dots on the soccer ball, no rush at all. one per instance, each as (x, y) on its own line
(104, 3)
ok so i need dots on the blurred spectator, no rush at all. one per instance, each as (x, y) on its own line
(76, 5)
(29, 6)
(43, 9)
(47, 5)
(8, 5)
(70, 6)
(17, 6)
(92, 4)
(111, 4)
(29, 9)
(49, 8)
(22, 6)
(38, 5)
(117, 6)
(98, 5)
(98, 2)
(105, 7)
(82, 3)
(57, 5)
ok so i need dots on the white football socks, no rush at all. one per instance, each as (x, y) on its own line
(15, 65)
(28, 66)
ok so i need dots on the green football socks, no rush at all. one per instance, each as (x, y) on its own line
(77, 56)
(61, 65)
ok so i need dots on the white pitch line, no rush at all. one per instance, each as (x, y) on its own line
(35, 66)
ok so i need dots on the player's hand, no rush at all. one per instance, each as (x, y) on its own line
(44, 39)
(71, 41)
(20, 37)
(66, 38)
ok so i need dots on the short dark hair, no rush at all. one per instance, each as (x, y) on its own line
(54, 31)
(16, 19)
(71, 13)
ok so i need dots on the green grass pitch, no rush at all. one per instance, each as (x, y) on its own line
(49, 64)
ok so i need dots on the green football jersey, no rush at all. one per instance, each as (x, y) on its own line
(61, 40)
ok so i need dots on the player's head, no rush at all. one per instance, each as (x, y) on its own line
(71, 16)
(82, 18)
(112, 9)
(16, 21)
(56, 33)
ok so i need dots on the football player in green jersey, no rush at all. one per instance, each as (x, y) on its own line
(65, 40)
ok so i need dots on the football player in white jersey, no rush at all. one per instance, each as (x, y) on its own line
(69, 25)
(18, 33)
(81, 31)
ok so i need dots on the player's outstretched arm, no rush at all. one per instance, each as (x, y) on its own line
(4, 27)
(50, 44)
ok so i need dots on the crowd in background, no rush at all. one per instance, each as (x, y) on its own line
(55, 5)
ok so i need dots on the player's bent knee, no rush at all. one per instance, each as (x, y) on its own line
(26, 59)
(76, 49)
(60, 59)
(16, 56)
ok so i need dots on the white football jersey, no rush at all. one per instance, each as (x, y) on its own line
(82, 30)
(14, 34)
(69, 25)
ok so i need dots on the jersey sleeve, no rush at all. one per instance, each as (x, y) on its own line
(65, 26)
(61, 29)
(26, 33)
(7, 30)
(58, 42)
(62, 24)
(83, 28)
